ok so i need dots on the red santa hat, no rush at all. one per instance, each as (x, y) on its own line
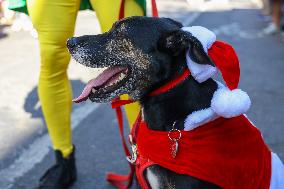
(227, 101)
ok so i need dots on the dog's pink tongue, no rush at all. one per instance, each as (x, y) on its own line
(86, 91)
(97, 82)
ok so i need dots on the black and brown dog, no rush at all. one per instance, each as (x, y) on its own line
(141, 54)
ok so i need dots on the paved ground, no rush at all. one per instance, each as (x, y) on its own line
(24, 145)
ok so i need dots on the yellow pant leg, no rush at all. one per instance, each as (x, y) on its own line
(107, 12)
(54, 20)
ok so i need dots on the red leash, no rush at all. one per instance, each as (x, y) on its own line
(154, 9)
(121, 181)
(125, 181)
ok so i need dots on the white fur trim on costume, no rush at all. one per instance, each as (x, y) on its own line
(200, 72)
(197, 118)
(227, 103)
(277, 176)
(205, 36)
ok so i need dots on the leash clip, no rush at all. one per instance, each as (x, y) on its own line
(132, 159)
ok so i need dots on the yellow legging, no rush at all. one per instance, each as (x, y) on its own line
(55, 20)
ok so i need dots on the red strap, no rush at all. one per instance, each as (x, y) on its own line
(142, 164)
(135, 127)
(122, 181)
(154, 9)
(171, 84)
(118, 103)
(125, 181)
(122, 9)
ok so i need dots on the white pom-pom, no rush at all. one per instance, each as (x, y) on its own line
(227, 103)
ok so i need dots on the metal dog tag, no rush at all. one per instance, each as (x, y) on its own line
(174, 148)
(174, 140)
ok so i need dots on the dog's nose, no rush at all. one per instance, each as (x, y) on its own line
(71, 42)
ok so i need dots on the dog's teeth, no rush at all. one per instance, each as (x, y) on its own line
(121, 76)
(94, 90)
(109, 84)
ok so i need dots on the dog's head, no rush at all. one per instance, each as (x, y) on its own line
(139, 53)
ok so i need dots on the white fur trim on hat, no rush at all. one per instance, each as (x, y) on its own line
(200, 72)
(230, 103)
(206, 37)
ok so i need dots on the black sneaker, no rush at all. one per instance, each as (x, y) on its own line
(60, 176)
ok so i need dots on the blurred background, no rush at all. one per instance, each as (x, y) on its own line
(253, 27)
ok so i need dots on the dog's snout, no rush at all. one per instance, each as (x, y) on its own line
(71, 42)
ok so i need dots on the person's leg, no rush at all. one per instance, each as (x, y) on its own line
(276, 12)
(54, 21)
(274, 27)
(107, 12)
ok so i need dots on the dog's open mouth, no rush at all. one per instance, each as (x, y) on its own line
(108, 81)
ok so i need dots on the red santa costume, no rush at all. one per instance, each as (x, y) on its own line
(218, 144)
(230, 102)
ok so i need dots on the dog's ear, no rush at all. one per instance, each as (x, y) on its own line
(176, 23)
(177, 42)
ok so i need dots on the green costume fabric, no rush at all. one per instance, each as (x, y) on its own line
(21, 5)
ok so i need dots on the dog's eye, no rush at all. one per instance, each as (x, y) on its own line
(118, 33)
(118, 29)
